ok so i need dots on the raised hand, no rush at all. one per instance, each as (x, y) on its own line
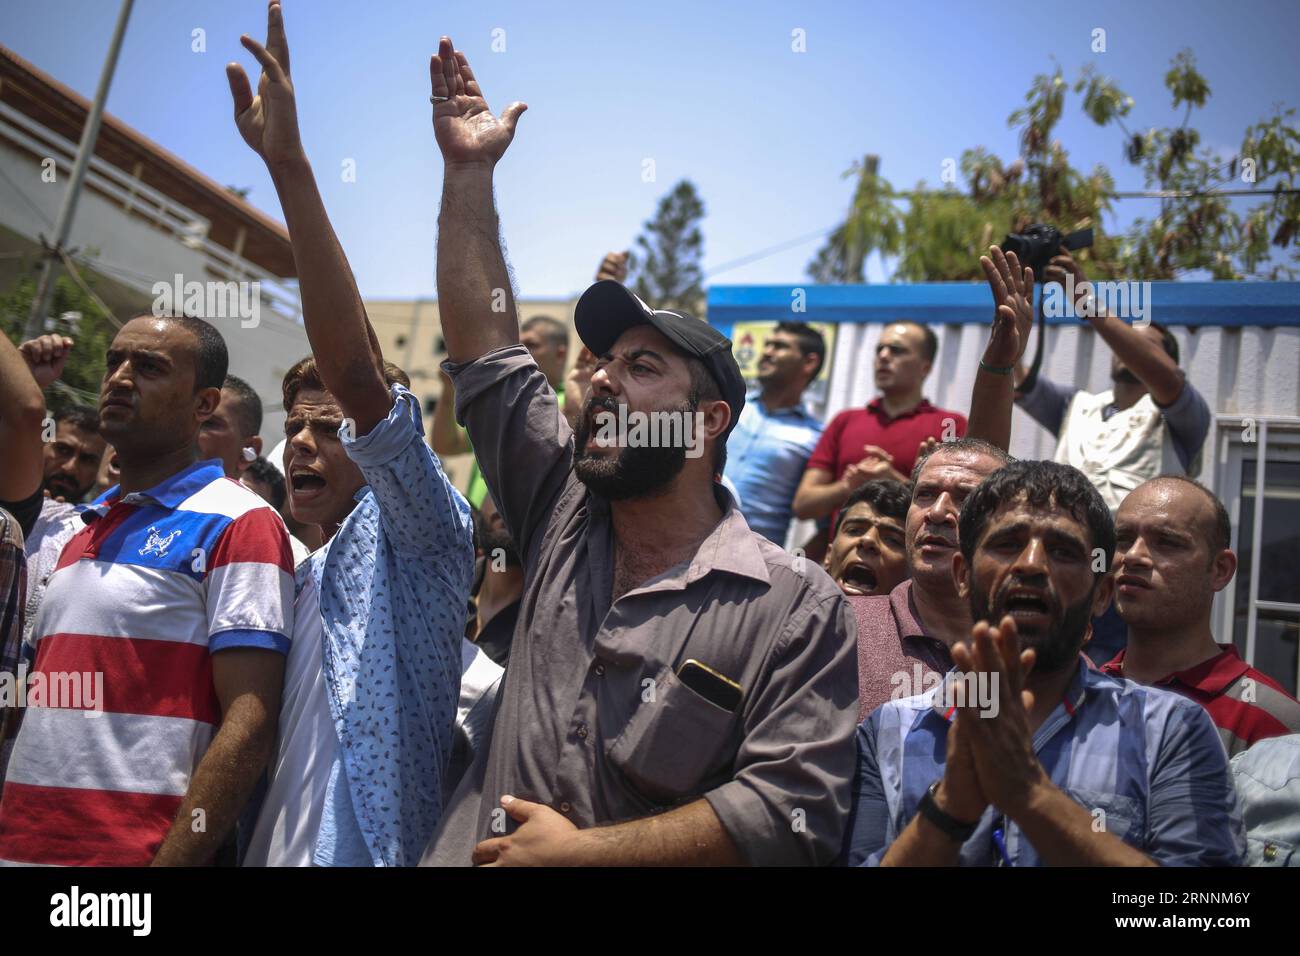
(466, 131)
(927, 446)
(613, 266)
(268, 121)
(576, 384)
(46, 356)
(1013, 307)
(877, 464)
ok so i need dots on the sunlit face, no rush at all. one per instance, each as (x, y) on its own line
(869, 554)
(1035, 564)
(645, 373)
(901, 365)
(220, 436)
(322, 479)
(549, 354)
(1166, 572)
(783, 361)
(148, 396)
(72, 461)
(941, 488)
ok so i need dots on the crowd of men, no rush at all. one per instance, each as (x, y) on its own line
(607, 655)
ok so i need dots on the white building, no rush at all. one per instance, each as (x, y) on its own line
(144, 216)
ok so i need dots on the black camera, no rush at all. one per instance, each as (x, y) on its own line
(1036, 246)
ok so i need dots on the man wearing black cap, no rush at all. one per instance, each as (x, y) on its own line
(680, 690)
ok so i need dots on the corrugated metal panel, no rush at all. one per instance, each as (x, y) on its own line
(1241, 371)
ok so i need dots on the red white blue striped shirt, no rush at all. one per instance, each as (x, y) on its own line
(121, 705)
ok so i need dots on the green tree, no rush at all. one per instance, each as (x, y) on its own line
(666, 265)
(1197, 229)
(81, 377)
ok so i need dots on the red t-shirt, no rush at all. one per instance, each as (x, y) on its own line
(1245, 704)
(842, 441)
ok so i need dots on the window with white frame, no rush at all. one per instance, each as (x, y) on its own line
(1260, 609)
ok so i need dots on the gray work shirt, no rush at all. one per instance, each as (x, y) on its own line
(592, 719)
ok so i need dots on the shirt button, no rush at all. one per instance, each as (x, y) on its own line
(582, 731)
(565, 807)
(600, 670)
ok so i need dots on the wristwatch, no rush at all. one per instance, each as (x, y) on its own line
(952, 827)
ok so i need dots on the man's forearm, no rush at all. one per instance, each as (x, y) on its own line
(1153, 366)
(991, 401)
(475, 300)
(22, 411)
(922, 844)
(1065, 834)
(818, 501)
(344, 345)
(688, 836)
(220, 787)
(445, 436)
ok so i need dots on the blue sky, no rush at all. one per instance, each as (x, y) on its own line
(708, 90)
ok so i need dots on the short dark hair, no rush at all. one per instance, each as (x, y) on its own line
(305, 374)
(1167, 340)
(929, 341)
(262, 470)
(972, 445)
(1041, 483)
(553, 329)
(887, 497)
(248, 406)
(811, 342)
(705, 389)
(1222, 536)
(211, 359)
(81, 417)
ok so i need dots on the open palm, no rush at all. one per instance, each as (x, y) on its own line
(268, 121)
(466, 130)
(1013, 305)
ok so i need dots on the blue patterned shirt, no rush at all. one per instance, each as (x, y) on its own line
(1145, 762)
(393, 585)
(766, 456)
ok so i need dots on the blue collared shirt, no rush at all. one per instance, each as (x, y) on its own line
(1145, 762)
(393, 584)
(766, 456)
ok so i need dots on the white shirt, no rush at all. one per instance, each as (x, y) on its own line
(306, 747)
(57, 523)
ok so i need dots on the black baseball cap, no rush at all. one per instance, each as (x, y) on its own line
(608, 309)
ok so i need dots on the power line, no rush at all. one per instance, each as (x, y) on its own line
(769, 251)
(909, 194)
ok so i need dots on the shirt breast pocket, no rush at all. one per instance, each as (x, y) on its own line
(674, 741)
(1113, 813)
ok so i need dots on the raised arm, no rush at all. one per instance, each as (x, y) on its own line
(342, 341)
(475, 299)
(1141, 354)
(1013, 316)
(446, 437)
(22, 410)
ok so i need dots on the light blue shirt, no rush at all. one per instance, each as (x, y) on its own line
(393, 585)
(766, 456)
(1268, 786)
(1147, 763)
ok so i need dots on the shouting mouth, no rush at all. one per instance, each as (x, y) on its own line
(306, 485)
(1030, 608)
(857, 578)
